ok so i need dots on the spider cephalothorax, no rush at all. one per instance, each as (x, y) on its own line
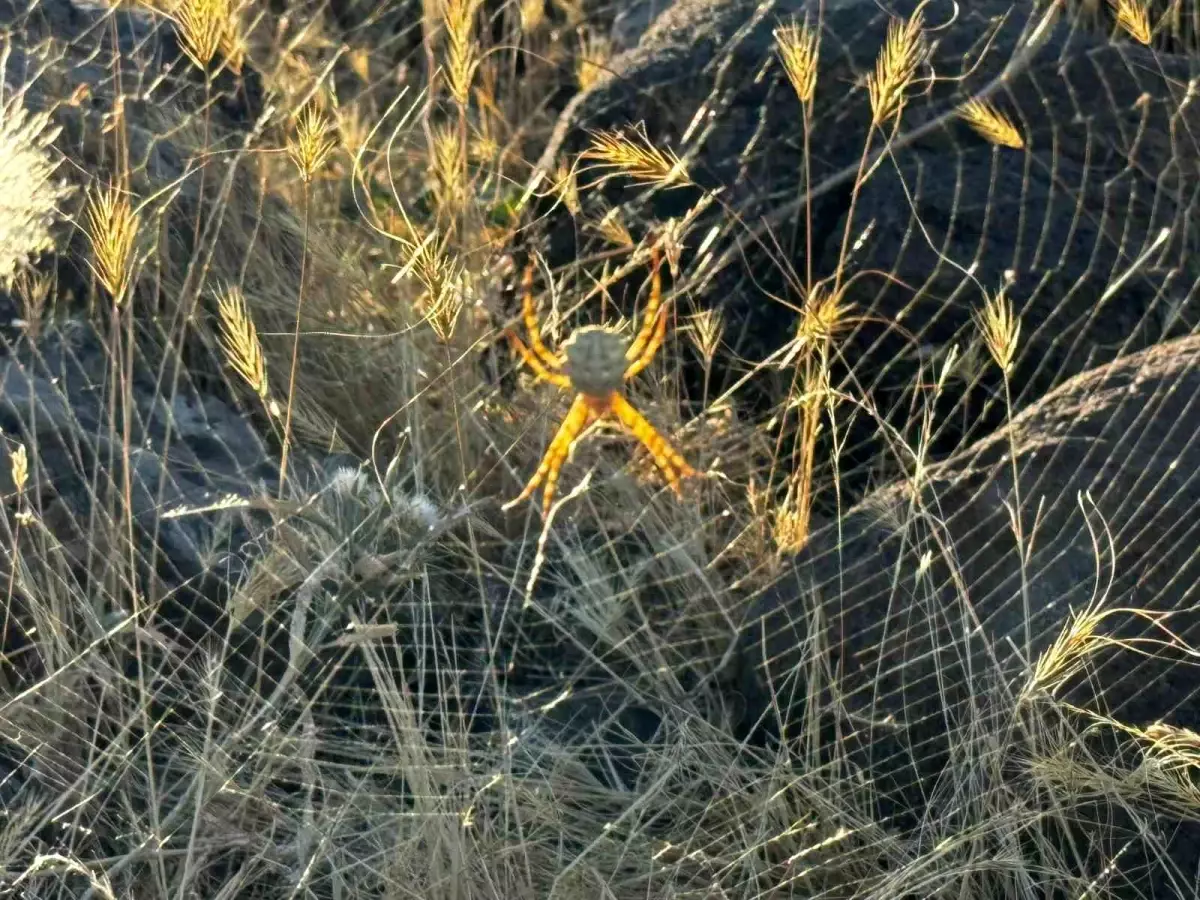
(595, 364)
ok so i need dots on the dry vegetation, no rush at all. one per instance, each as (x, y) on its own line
(377, 220)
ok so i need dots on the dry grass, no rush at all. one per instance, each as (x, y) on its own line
(566, 186)
(1133, 17)
(447, 161)
(30, 192)
(799, 51)
(631, 153)
(591, 62)
(1001, 329)
(896, 68)
(312, 143)
(379, 714)
(209, 26)
(992, 124)
(532, 14)
(462, 51)
(240, 341)
(112, 228)
(19, 467)
(705, 331)
(611, 226)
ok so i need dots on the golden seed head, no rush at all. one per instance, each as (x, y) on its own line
(706, 330)
(239, 340)
(233, 44)
(823, 315)
(30, 190)
(445, 282)
(446, 164)
(533, 14)
(206, 26)
(442, 311)
(112, 229)
(991, 123)
(1001, 329)
(798, 49)
(462, 51)
(19, 463)
(670, 240)
(312, 141)
(635, 155)
(613, 229)
(791, 522)
(902, 54)
(1133, 17)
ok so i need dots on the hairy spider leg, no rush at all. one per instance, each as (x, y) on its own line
(647, 355)
(649, 319)
(666, 457)
(558, 379)
(581, 414)
(531, 323)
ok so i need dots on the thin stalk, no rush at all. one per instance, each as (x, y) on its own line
(12, 582)
(462, 153)
(291, 395)
(1018, 526)
(806, 119)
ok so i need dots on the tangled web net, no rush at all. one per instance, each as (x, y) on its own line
(923, 625)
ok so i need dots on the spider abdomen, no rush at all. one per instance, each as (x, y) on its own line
(595, 360)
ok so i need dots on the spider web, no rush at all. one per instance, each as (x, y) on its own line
(366, 681)
(900, 635)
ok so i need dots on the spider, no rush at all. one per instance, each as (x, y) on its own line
(595, 363)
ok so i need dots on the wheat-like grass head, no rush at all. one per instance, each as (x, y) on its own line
(312, 143)
(798, 47)
(992, 124)
(902, 54)
(1133, 17)
(112, 229)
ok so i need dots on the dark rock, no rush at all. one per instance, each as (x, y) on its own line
(61, 60)
(191, 441)
(186, 452)
(633, 21)
(146, 58)
(620, 735)
(1070, 223)
(927, 631)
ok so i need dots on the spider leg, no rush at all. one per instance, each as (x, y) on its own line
(539, 368)
(549, 360)
(640, 347)
(643, 360)
(578, 417)
(667, 458)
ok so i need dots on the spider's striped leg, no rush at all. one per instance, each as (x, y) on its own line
(667, 458)
(539, 368)
(643, 344)
(549, 360)
(577, 419)
(660, 333)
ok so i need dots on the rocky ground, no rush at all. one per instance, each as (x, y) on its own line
(911, 654)
(1097, 197)
(935, 627)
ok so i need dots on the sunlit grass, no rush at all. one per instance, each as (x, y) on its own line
(365, 231)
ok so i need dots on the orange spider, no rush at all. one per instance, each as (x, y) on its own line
(595, 364)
